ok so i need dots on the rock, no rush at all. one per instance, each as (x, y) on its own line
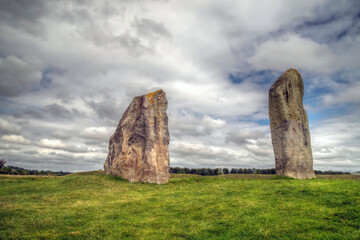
(138, 150)
(289, 126)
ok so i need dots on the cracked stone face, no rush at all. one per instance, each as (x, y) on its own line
(289, 126)
(138, 150)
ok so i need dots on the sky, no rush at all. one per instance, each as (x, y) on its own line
(69, 69)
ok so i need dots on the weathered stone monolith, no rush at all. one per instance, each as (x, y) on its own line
(289, 126)
(138, 150)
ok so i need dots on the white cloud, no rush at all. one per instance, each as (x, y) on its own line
(15, 139)
(187, 124)
(348, 93)
(213, 123)
(261, 150)
(97, 133)
(7, 127)
(294, 51)
(51, 143)
(336, 141)
(193, 154)
(242, 136)
(60, 145)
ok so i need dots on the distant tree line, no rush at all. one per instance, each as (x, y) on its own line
(197, 171)
(22, 171)
(220, 171)
(330, 172)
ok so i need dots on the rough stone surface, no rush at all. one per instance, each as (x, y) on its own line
(138, 150)
(289, 126)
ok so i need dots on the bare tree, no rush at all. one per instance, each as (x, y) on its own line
(2, 163)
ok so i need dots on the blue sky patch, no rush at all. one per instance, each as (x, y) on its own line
(260, 77)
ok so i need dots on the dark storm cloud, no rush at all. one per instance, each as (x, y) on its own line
(149, 28)
(31, 152)
(133, 45)
(332, 22)
(49, 111)
(64, 96)
(62, 135)
(23, 15)
(32, 113)
(107, 109)
(85, 19)
(59, 111)
(144, 41)
(18, 76)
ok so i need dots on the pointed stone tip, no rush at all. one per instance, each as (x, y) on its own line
(292, 71)
(154, 92)
(160, 91)
(150, 94)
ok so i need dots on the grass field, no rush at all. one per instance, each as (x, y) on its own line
(92, 205)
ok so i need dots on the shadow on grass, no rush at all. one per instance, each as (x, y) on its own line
(115, 178)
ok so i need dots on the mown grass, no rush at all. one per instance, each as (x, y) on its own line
(96, 206)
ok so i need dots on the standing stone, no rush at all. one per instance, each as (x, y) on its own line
(289, 126)
(138, 150)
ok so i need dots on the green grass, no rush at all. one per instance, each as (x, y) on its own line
(95, 206)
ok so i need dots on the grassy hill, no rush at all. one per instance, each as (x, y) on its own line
(92, 205)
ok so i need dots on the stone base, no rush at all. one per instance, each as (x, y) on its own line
(292, 148)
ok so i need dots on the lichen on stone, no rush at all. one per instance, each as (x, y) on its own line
(150, 97)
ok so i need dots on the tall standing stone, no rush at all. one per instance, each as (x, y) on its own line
(289, 126)
(138, 150)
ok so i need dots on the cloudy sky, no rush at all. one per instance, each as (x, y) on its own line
(69, 69)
